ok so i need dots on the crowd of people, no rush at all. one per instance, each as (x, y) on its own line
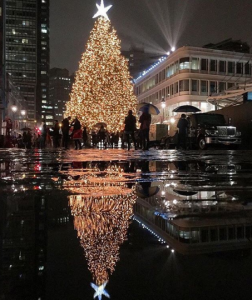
(66, 133)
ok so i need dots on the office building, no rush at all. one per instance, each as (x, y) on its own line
(25, 57)
(60, 88)
(190, 75)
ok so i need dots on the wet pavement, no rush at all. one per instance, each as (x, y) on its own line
(158, 224)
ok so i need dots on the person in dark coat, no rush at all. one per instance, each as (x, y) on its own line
(182, 131)
(65, 132)
(130, 128)
(77, 133)
(56, 134)
(145, 121)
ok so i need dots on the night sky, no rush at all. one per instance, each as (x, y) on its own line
(155, 25)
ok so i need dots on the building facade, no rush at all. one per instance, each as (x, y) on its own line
(25, 57)
(189, 76)
(60, 88)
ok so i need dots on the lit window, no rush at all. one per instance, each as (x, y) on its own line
(24, 41)
(43, 72)
(25, 23)
(44, 30)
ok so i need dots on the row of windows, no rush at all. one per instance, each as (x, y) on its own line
(193, 64)
(21, 4)
(20, 57)
(198, 235)
(21, 66)
(21, 13)
(20, 49)
(23, 74)
(191, 86)
(18, 22)
(22, 31)
(16, 40)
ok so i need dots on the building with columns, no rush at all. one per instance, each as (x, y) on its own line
(189, 75)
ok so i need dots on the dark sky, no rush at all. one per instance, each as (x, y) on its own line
(154, 24)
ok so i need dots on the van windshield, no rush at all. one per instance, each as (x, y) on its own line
(210, 119)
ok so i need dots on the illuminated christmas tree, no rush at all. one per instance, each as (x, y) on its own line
(102, 91)
(102, 207)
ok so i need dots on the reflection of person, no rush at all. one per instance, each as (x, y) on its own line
(182, 131)
(145, 120)
(85, 136)
(65, 132)
(130, 128)
(102, 134)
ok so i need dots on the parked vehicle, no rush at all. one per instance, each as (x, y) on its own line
(206, 129)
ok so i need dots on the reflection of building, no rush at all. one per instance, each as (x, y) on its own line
(23, 248)
(60, 88)
(196, 222)
(25, 44)
(189, 75)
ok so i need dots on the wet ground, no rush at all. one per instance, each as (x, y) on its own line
(158, 224)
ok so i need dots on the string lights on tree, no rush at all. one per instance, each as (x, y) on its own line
(102, 207)
(102, 91)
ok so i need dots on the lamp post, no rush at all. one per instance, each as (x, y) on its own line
(163, 106)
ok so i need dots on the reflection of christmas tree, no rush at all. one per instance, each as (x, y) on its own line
(102, 91)
(102, 207)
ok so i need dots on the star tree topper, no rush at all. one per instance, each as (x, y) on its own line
(102, 11)
(100, 290)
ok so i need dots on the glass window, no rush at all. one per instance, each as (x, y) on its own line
(195, 85)
(231, 67)
(222, 86)
(184, 85)
(184, 63)
(223, 234)
(213, 65)
(204, 236)
(222, 66)
(204, 86)
(247, 68)
(195, 63)
(239, 68)
(214, 234)
(213, 87)
(204, 64)
(175, 87)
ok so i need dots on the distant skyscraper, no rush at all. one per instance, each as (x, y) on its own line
(25, 57)
(139, 60)
(60, 88)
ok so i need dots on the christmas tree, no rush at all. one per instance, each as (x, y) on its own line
(102, 91)
(102, 207)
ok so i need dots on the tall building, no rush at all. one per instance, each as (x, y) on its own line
(230, 45)
(60, 88)
(189, 76)
(139, 60)
(25, 48)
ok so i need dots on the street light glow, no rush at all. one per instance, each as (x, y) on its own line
(14, 108)
(173, 49)
(23, 112)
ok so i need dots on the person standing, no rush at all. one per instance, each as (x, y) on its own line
(56, 134)
(85, 136)
(77, 133)
(130, 128)
(182, 131)
(145, 121)
(65, 132)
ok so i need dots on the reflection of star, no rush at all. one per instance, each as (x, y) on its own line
(102, 11)
(100, 290)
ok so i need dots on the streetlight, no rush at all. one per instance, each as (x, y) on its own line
(23, 112)
(163, 106)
